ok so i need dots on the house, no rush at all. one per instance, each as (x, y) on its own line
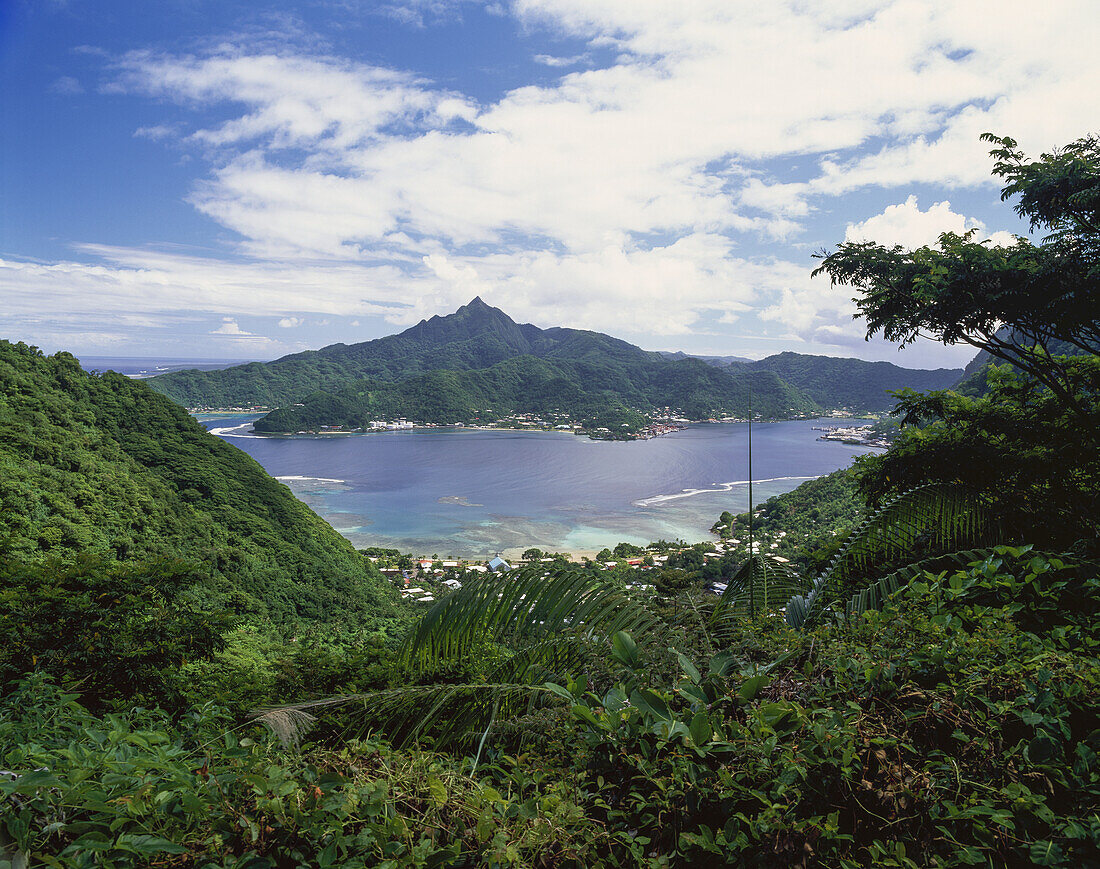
(499, 564)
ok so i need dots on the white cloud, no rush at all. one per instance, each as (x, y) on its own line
(67, 86)
(290, 322)
(229, 327)
(554, 61)
(906, 225)
(620, 198)
(336, 159)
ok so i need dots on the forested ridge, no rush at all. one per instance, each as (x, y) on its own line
(478, 364)
(834, 382)
(526, 384)
(104, 466)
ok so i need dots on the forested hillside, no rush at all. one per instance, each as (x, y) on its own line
(476, 336)
(585, 390)
(851, 383)
(103, 466)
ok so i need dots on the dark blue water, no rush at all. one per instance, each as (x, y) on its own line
(473, 493)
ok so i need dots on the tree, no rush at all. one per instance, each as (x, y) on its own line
(1017, 302)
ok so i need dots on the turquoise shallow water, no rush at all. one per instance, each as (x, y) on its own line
(473, 493)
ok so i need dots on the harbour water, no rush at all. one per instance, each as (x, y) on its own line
(473, 493)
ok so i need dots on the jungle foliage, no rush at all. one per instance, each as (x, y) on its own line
(104, 466)
(600, 393)
(920, 692)
(852, 383)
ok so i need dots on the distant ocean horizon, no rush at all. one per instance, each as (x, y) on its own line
(473, 493)
(144, 367)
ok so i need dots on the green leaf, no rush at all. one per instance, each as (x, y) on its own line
(651, 704)
(586, 715)
(701, 730)
(560, 691)
(140, 843)
(624, 649)
(688, 667)
(751, 686)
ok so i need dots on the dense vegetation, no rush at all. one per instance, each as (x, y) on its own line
(102, 466)
(599, 392)
(850, 383)
(806, 523)
(924, 696)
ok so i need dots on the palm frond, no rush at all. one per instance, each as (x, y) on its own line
(527, 605)
(928, 519)
(876, 594)
(452, 715)
(761, 584)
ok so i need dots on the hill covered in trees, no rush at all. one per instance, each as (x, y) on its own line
(103, 468)
(852, 383)
(588, 391)
(478, 365)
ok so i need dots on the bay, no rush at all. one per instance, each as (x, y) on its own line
(474, 493)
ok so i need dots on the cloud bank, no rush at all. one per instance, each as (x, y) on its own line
(664, 192)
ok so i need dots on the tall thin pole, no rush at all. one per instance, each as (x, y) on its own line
(752, 573)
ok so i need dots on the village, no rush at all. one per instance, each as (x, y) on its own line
(645, 570)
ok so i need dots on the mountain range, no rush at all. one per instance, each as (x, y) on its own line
(478, 364)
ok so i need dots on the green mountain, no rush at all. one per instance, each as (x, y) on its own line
(478, 364)
(853, 383)
(475, 336)
(104, 466)
(597, 392)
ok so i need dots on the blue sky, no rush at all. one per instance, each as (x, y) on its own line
(245, 180)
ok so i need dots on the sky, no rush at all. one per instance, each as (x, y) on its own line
(205, 180)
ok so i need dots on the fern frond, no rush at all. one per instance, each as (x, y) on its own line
(761, 584)
(928, 519)
(876, 594)
(451, 715)
(524, 605)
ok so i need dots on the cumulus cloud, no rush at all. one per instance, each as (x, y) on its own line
(619, 198)
(229, 327)
(290, 322)
(906, 225)
(67, 86)
(554, 61)
(334, 158)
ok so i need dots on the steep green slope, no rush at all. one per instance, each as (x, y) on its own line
(852, 383)
(526, 384)
(104, 465)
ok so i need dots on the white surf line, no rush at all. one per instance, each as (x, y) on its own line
(300, 479)
(722, 487)
(235, 431)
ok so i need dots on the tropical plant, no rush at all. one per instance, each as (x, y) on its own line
(517, 633)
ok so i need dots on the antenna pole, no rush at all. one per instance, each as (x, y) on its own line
(752, 573)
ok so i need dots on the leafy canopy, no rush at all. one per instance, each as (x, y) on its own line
(1013, 302)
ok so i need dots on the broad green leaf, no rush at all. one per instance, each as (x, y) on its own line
(751, 686)
(624, 649)
(140, 843)
(700, 728)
